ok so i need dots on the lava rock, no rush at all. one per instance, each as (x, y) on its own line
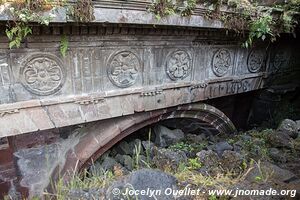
(149, 148)
(231, 160)
(123, 148)
(166, 157)
(289, 127)
(165, 137)
(125, 160)
(277, 155)
(196, 138)
(209, 158)
(238, 146)
(108, 163)
(137, 143)
(280, 139)
(142, 180)
(274, 172)
(86, 194)
(223, 146)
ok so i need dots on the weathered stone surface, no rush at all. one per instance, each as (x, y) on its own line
(231, 160)
(209, 158)
(37, 164)
(280, 139)
(221, 147)
(124, 148)
(86, 194)
(167, 157)
(196, 138)
(269, 170)
(142, 180)
(289, 127)
(165, 137)
(277, 155)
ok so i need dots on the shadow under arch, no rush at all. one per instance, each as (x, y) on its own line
(102, 135)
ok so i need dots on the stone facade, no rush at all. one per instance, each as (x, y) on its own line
(115, 80)
(115, 71)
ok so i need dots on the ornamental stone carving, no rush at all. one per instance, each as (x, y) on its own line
(221, 62)
(178, 65)
(123, 69)
(280, 58)
(255, 60)
(42, 74)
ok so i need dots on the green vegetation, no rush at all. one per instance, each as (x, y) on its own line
(262, 22)
(24, 12)
(189, 147)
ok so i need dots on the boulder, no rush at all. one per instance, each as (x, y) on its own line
(280, 139)
(277, 155)
(137, 143)
(209, 158)
(165, 137)
(170, 158)
(222, 146)
(289, 127)
(144, 179)
(125, 160)
(194, 138)
(270, 171)
(149, 148)
(123, 148)
(108, 163)
(231, 161)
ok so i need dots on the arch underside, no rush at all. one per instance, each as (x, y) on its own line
(102, 135)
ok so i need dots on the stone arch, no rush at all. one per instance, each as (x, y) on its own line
(102, 135)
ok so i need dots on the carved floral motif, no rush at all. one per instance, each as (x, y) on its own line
(221, 62)
(255, 60)
(280, 58)
(178, 65)
(42, 75)
(123, 69)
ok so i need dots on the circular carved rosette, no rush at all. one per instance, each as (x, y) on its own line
(255, 60)
(123, 69)
(221, 62)
(42, 74)
(280, 58)
(178, 65)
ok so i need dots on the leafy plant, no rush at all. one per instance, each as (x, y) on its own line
(260, 28)
(162, 8)
(82, 11)
(64, 44)
(194, 163)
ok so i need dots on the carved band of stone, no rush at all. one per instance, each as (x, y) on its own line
(152, 93)
(89, 101)
(178, 65)
(255, 60)
(42, 74)
(201, 85)
(123, 69)
(221, 62)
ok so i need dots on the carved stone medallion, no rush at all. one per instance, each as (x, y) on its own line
(221, 62)
(255, 60)
(178, 65)
(42, 74)
(123, 69)
(280, 58)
